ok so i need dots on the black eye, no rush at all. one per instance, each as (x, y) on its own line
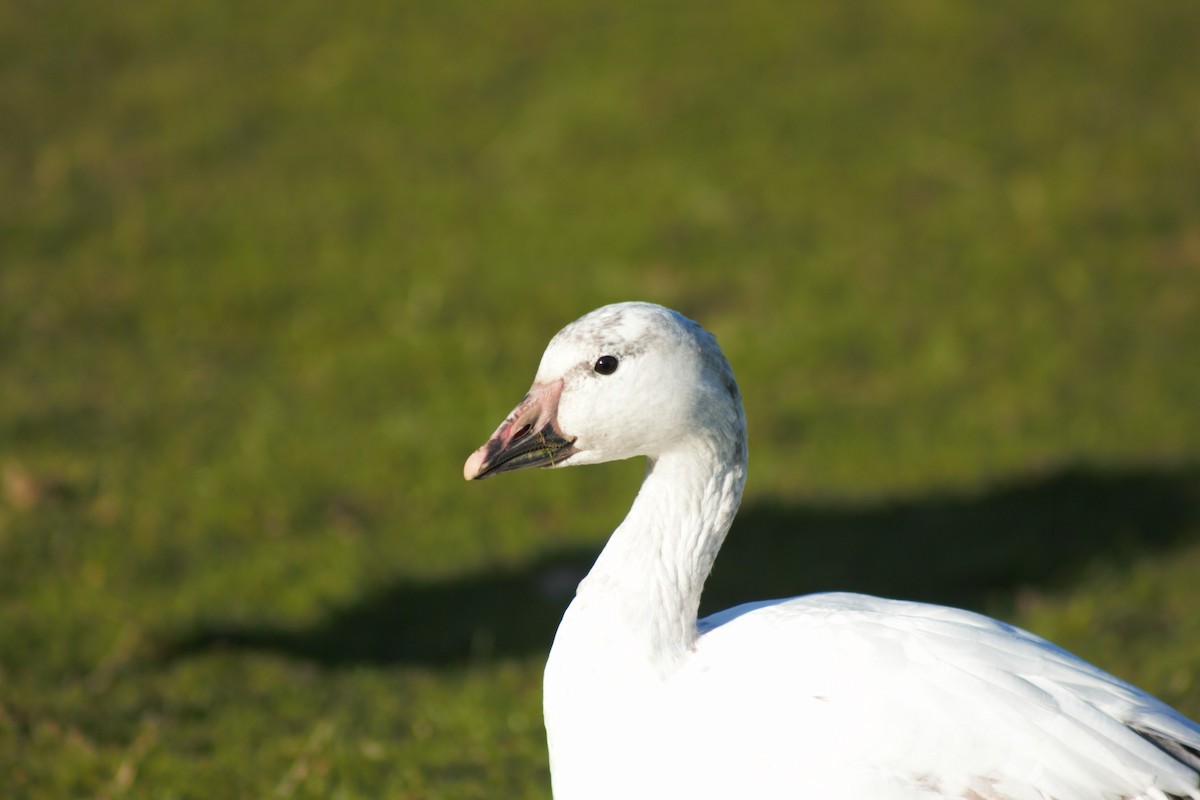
(606, 365)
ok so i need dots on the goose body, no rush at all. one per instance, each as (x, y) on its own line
(824, 696)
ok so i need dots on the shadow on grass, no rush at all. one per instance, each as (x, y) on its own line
(957, 548)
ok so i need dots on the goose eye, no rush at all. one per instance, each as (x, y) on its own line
(606, 365)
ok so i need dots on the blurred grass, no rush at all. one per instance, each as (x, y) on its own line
(267, 277)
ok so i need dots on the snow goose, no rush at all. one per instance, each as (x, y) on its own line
(818, 697)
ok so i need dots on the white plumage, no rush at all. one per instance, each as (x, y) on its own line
(823, 696)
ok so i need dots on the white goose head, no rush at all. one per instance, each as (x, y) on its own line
(629, 379)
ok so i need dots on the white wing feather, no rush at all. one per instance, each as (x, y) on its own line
(933, 702)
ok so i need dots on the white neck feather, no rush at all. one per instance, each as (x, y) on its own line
(636, 610)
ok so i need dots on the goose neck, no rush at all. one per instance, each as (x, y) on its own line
(646, 584)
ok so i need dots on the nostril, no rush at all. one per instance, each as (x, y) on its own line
(525, 429)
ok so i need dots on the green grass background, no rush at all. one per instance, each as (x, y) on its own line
(268, 273)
